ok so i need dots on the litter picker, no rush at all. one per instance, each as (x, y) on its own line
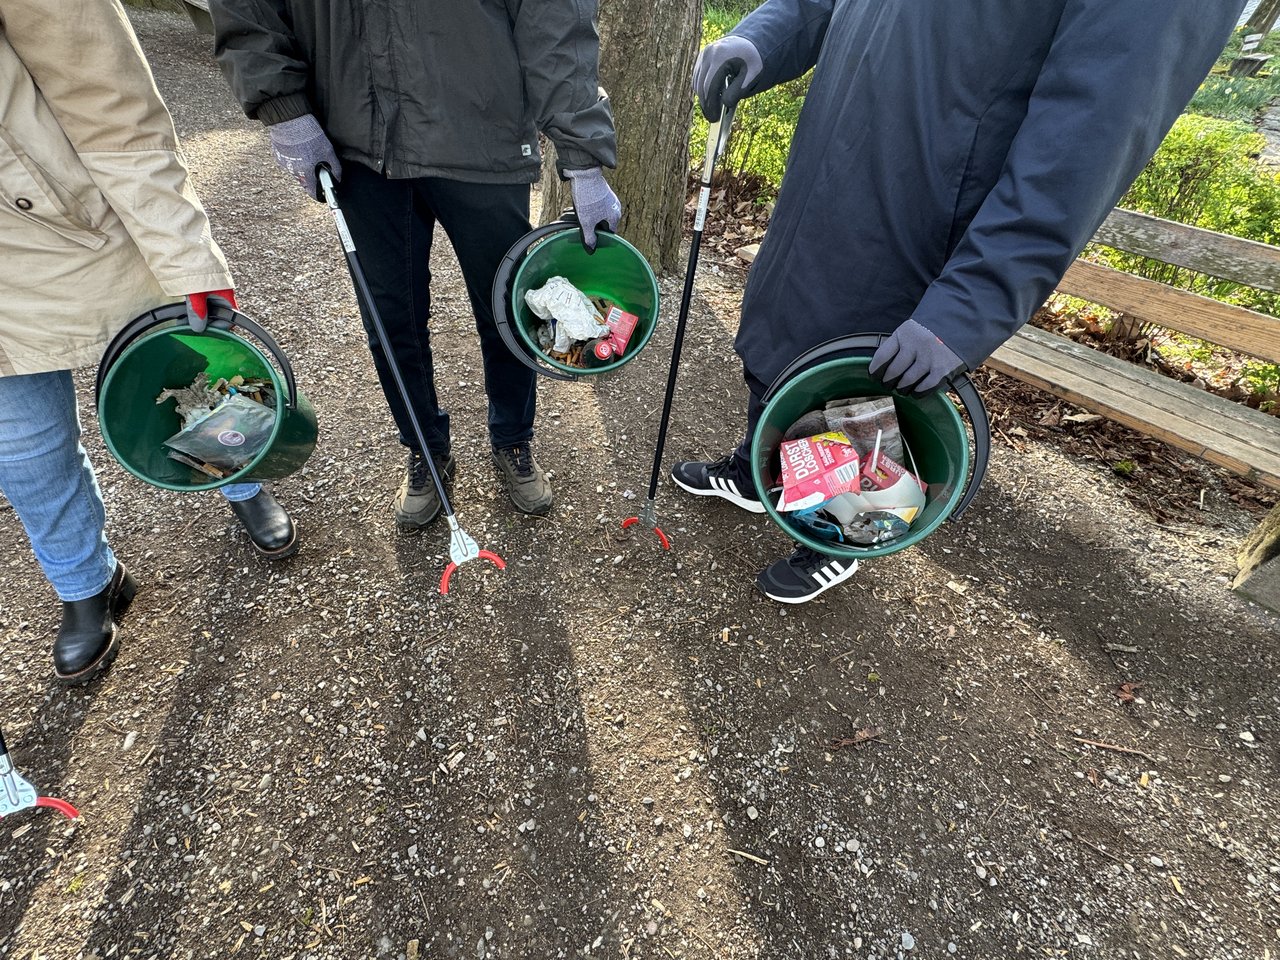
(462, 548)
(717, 140)
(16, 794)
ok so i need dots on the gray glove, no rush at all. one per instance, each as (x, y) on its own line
(731, 59)
(594, 203)
(914, 360)
(300, 146)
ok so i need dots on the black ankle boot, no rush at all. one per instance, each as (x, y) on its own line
(269, 526)
(87, 642)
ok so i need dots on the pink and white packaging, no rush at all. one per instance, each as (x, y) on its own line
(816, 469)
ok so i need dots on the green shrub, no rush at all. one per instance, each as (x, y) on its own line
(1234, 98)
(1206, 174)
(764, 124)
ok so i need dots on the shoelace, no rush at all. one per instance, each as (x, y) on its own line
(521, 459)
(808, 560)
(419, 473)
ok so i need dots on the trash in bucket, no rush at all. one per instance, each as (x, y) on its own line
(580, 331)
(811, 396)
(224, 426)
(158, 353)
(616, 282)
(845, 480)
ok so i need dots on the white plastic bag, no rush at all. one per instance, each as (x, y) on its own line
(574, 318)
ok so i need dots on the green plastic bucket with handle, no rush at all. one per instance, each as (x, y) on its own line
(616, 271)
(159, 351)
(931, 426)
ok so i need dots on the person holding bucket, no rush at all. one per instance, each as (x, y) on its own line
(950, 162)
(429, 112)
(97, 224)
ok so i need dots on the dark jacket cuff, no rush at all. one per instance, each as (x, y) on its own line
(282, 109)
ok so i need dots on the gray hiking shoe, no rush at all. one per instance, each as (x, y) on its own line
(417, 502)
(525, 482)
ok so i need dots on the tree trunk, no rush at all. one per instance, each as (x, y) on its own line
(647, 48)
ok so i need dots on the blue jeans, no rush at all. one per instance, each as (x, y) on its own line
(46, 475)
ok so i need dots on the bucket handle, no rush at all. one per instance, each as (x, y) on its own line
(959, 384)
(221, 315)
(502, 292)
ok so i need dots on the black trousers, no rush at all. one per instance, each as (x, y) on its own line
(392, 223)
(755, 410)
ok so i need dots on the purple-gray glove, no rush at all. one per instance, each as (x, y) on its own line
(300, 146)
(732, 60)
(913, 360)
(594, 202)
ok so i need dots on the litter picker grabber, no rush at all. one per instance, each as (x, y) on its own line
(16, 794)
(462, 548)
(717, 139)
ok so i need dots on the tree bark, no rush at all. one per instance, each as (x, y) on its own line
(647, 48)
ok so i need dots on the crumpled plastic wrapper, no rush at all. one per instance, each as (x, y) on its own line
(571, 315)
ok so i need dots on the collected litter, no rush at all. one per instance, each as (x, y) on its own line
(843, 478)
(224, 425)
(579, 331)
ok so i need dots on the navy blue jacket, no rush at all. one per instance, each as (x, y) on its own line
(954, 156)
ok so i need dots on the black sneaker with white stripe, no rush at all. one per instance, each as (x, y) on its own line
(803, 575)
(720, 478)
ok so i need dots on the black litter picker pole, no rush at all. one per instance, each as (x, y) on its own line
(462, 548)
(717, 140)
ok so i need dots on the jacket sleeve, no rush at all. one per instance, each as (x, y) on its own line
(789, 35)
(94, 77)
(254, 44)
(559, 51)
(1117, 75)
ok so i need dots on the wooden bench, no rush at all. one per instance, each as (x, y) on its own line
(1231, 435)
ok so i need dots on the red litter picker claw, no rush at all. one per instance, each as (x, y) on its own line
(648, 517)
(16, 794)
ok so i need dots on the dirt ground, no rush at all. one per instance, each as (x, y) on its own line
(613, 751)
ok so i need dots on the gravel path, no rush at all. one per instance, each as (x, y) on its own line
(611, 751)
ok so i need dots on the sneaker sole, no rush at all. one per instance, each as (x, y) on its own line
(742, 503)
(839, 579)
(405, 525)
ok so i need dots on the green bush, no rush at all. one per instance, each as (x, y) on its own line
(1234, 98)
(764, 124)
(1206, 174)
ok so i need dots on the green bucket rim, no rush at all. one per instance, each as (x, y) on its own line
(603, 238)
(240, 475)
(916, 534)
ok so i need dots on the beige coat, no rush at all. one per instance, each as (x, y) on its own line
(97, 220)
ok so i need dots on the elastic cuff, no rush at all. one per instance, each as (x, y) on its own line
(282, 109)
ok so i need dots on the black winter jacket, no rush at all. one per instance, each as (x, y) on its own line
(416, 88)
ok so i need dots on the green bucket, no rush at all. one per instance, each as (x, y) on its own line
(159, 351)
(932, 429)
(616, 271)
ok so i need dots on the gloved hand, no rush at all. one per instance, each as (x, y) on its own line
(300, 146)
(730, 58)
(594, 202)
(198, 307)
(914, 360)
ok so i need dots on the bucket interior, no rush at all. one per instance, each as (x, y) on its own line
(932, 429)
(616, 271)
(135, 427)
